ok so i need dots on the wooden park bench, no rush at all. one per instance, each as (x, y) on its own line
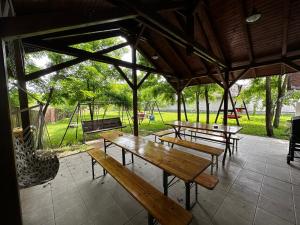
(215, 137)
(213, 151)
(162, 133)
(160, 208)
(99, 125)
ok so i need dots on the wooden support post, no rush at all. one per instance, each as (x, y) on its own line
(226, 92)
(179, 105)
(20, 73)
(134, 94)
(11, 213)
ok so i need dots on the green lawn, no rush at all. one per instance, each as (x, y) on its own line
(256, 126)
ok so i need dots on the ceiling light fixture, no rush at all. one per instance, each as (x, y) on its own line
(254, 16)
(155, 57)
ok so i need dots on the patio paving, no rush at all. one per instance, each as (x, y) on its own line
(256, 187)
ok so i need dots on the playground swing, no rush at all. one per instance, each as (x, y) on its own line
(96, 123)
(235, 111)
(149, 108)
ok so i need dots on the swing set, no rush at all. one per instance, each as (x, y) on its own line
(97, 123)
(235, 111)
(148, 112)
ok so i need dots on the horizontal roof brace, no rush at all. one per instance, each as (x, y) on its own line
(69, 63)
(92, 56)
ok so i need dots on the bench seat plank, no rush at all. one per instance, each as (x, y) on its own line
(207, 181)
(196, 146)
(163, 132)
(165, 210)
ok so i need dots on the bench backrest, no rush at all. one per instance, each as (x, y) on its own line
(101, 124)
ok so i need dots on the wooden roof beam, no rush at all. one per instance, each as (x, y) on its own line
(155, 22)
(83, 38)
(92, 56)
(69, 63)
(26, 26)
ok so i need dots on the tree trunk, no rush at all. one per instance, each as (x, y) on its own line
(184, 107)
(90, 104)
(197, 107)
(42, 120)
(269, 110)
(254, 107)
(281, 92)
(207, 104)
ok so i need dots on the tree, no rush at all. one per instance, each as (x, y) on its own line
(269, 108)
(281, 90)
(209, 92)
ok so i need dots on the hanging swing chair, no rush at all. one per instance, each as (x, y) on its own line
(33, 166)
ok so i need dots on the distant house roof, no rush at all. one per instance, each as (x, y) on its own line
(294, 81)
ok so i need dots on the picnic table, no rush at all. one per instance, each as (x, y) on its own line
(227, 131)
(173, 162)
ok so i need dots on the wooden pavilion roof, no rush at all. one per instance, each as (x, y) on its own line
(195, 41)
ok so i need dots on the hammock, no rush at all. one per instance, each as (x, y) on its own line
(33, 166)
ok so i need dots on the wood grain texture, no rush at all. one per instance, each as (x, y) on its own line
(192, 145)
(165, 210)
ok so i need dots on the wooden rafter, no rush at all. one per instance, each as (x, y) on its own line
(83, 38)
(286, 8)
(161, 55)
(92, 56)
(143, 79)
(155, 22)
(69, 63)
(23, 26)
(124, 76)
(180, 57)
(204, 18)
(239, 76)
(246, 30)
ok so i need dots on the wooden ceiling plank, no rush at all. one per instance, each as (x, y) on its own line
(245, 29)
(286, 9)
(155, 22)
(205, 20)
(26, 26)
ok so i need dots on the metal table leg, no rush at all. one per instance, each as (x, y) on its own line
(123, 157)
(165, 182)
(227, 147)
(187, 196)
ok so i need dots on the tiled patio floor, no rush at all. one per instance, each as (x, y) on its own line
(256, 187)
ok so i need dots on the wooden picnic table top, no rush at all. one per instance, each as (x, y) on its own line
(178, 163)
(203, 126)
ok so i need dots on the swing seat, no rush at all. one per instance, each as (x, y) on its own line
(96, 126)
(33, 167)
(233, 116)
(151, 117)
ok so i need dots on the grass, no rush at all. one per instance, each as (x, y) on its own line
(256, 126)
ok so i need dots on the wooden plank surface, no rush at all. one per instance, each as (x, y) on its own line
(201, 126)
(183, 165)
(164, 209)
(196, 146)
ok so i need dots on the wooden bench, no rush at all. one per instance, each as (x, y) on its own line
(207, 181)
(95, 126)
(215, 137)
(162, 133)
(160, 208)
(213, 151)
